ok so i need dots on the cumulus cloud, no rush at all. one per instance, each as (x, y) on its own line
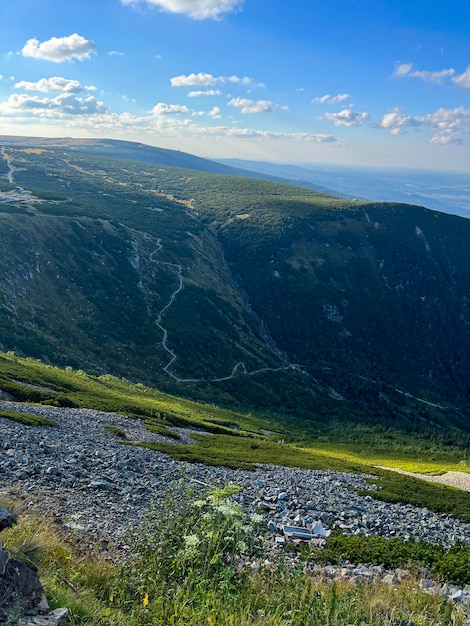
(252, 106)
(396, 122)
(264, 134)
(170, 109)
(54, 84)
(197, 9)
(60, 49)
(191, 80)
(446, 125)
(203, 79)
(64, 103)
(207, 92)
(90, 118)
(215, 113)
(347, 117)
(463, 80)
(328, 99)
(406, 70)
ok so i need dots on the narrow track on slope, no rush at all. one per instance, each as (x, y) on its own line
(11, 169)
(240, 366)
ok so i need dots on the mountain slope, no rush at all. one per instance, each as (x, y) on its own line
(439, 190)
(236, 290)
(159, 156)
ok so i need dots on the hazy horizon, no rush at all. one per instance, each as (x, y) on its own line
(379, 83)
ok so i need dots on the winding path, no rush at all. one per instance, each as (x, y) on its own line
(173, 356)
(11, 169)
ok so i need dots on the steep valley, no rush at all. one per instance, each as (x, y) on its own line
(243, 292)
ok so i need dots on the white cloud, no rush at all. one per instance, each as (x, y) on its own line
(203, 79)
(406, 70)
(64, 103)
(54, 84)
(402, 69)
(252, 106)
(395, 122)
(347, 117)
(463, 80)
(191, 80)
(241, 80)
(446, 125)
(170, 109)
(207, 92)
(197, 9)
(60, 49)
(328, 99)
(116, 53)
(34, 116)
(215, 113)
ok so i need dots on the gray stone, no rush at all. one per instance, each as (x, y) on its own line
(7, 518)
(100, 484)
(58, 615)
(458, 596)
(4, 558)
(389, 579)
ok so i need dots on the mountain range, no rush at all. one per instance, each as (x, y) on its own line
(147, 264)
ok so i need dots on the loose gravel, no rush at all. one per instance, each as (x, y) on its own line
(80, 473)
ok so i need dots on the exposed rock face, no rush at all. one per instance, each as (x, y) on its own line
(21, 593)
(19, 587)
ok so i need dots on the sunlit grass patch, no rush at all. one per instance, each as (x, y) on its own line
(26, 418)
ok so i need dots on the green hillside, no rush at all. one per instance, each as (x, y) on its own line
(244, 292)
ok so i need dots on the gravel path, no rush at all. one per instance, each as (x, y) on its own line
(81, 475)
(461, 480)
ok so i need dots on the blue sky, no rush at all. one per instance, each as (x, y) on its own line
(364, 82)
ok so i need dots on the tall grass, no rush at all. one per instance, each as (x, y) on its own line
(201, 561)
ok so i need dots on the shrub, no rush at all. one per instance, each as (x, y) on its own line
(198, 545)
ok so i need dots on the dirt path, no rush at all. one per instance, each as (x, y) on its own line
(461, 480)
(239, 367)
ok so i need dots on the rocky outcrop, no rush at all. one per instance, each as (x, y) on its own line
(22, 597)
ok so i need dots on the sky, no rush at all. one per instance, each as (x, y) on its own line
(347, 82)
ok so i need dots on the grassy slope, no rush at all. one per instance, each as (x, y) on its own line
(264, 219)
(163, 583)
(240, 439)
(97, 316)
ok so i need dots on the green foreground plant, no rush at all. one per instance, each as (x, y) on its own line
(200, 561)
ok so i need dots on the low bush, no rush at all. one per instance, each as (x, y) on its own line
(27, 418)
(453, 564)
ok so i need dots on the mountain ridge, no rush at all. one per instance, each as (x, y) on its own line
(151, 154)
(269, 296)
